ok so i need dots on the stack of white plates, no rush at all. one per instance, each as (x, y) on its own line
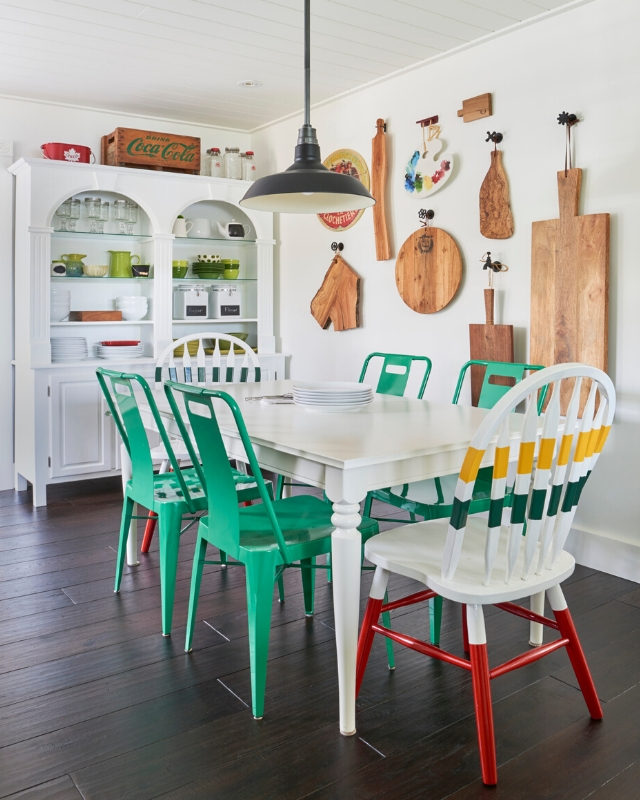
(68, 348)
(119, 352)
(332, 396)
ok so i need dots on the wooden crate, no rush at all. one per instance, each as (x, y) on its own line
(129, 147)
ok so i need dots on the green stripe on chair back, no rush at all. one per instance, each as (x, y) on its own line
(395, 373)
(547, 462)
(214, 468)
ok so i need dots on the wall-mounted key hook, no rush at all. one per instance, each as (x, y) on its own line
(425, 216)
(335, 246)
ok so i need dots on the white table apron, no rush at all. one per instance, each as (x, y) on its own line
(392, 441)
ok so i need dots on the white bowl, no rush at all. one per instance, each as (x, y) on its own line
(133, 315)
(95, 270)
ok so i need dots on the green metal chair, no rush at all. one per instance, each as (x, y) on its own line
(490, 393)
(171, 495)
(265, 538)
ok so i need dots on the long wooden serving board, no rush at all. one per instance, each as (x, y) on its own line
(570, 284)
(496, 219)
(428, 270)
(378, 185)
(488, 342)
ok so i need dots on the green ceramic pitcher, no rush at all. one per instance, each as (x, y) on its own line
(120, 263)
(73, 262)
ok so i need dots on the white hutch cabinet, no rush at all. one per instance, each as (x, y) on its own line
(62, 431)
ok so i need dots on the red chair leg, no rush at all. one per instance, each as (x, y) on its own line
(148, 532)
(484, 712)
(365, 640)
(465, 630)
(579, 662)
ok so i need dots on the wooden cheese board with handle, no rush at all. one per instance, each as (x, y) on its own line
(378, 188)
(338, 299)
(488, 342)
(496, 219)
(428, 269)
(570, 285)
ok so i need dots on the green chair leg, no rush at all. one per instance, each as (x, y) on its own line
(386, 621)
(279, 487)
(260, 579)
(223, 558)
(435, 619)
(281, 587)
(328, 567)
(196, 578)
(308, 583)
(125, 525)
(169, 520)
(366, 511)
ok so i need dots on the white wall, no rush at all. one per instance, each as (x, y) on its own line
(584, 61)
(28, 125)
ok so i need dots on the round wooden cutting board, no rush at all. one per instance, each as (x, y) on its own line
(428, 270)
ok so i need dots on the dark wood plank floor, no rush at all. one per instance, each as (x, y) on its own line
(96, 704)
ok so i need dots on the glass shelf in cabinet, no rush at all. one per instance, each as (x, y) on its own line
(204, 321)
(219, 240)
(134, 237)
(88, 279)
(97, 322)
(214, 280)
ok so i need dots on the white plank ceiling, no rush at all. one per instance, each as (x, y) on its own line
(183, 59)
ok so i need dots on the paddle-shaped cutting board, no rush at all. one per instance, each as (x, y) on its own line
(570, 285)
(496, 219)
(378, 184)
(489, 342)
(428, 270)
(338, 299)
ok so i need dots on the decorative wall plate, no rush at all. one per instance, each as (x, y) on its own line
(428, 169)
(351, 163)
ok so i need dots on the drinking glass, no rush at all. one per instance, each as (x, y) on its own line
(132, 216)
(122, 215)
(74, 213)
(63, 213)
(92, 210)
(104, 215)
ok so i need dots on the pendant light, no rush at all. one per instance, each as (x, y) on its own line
(307, 186)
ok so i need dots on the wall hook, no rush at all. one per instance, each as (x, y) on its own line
(335, 246)
(494, 136)
(425, 216)
(427, 121)
(564, 118)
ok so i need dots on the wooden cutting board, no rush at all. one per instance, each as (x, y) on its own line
(95, 316)
(570, 285)
(428, 270)
(488, 342)
(496, 219)
(378, 185)
(338, 299)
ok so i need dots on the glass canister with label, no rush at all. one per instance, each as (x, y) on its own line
(190, 302)
(226, 303)
(248, 166)
(232, 163)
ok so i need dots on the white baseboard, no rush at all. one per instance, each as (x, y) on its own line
(619, 557)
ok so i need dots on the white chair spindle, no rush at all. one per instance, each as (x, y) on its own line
(498, 490)
(201, 363)
(231, 364)
(215, 363)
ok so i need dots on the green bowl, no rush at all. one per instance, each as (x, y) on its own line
(179, 272)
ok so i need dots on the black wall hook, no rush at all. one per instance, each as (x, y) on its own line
(564, 118)
(424, 215)
(335, 246)
(494, 136)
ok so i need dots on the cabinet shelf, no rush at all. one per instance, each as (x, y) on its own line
(180, 240)
(104, 279)
(213, 280)
(84, 324)
(202, 321)
(132, 237)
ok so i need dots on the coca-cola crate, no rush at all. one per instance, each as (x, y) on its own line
(169, 152)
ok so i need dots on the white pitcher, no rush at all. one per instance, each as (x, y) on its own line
(181, 227)
(201, 229)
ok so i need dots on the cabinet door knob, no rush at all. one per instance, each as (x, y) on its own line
(107, 414)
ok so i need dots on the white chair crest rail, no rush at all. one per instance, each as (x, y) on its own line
(478, 562)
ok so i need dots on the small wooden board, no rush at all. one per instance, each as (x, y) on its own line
(167, 152)
(488, 343)
(428, 270)
(570, 285)
(95, 316)
(496, 219)
(338, 299)
(478, 107)
(378, 185)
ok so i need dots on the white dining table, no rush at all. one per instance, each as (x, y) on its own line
(392, 441)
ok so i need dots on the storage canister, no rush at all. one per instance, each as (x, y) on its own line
(226, 302)
(232, 163)
(190, 302)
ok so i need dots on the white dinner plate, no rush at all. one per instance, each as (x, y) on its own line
(333, 386)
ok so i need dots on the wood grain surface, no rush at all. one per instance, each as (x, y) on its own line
(338, 299)
(95, 316)
(488, 343)
(478, 107)
(378, 186)
(428, 270)
(496, 219)
(570, 284)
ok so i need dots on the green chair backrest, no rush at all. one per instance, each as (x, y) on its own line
(491, 392)
(118, 390)
(213, 466)
(395, 372)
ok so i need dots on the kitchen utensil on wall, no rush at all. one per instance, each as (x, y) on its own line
(378, 187)
(428, 170)
(489, 342)
(477, 107)
(338, 299)
(345, 162)
(570, 281)
(74, 153)
(496, 219)
(181, 227)
(231, 230)
(428, 268)
(200, 229)
(120, 263)
(73, 263)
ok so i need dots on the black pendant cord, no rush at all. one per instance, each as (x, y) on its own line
(307, 62)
